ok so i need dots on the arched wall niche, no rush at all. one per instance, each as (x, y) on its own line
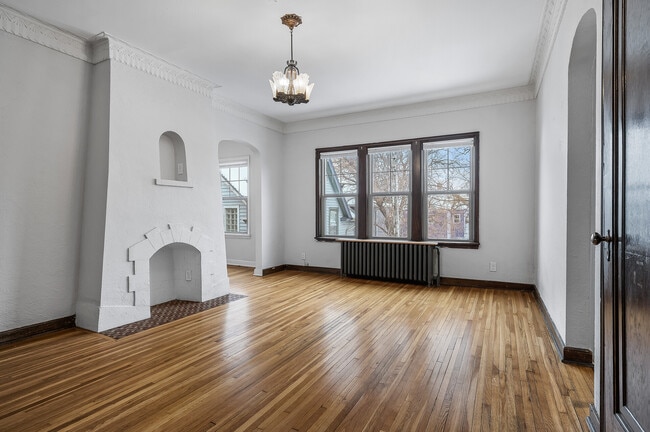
(173, 161)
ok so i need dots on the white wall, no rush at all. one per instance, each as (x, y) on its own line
(43, 119)
(269, 217)
(507, 138)
(552, 160)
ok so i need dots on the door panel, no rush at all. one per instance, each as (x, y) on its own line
(626, 211)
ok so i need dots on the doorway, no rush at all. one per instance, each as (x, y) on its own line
(581, 192)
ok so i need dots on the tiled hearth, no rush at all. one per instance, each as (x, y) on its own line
(168, 312)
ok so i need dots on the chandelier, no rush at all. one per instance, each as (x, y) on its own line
(291, 87)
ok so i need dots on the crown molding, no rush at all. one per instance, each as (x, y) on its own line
(439, 106)
(107, 47)
(31, 29)
(234, 109)
(553, 14)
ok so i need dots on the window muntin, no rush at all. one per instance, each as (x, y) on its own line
(339, 178)
(419, 189)
(234, 195)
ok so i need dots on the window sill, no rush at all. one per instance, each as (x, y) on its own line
(330, 239)
(445, 244)
(459, 245)
(238, 236)
(174, 183)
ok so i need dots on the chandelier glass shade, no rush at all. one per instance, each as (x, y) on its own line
(290, 86)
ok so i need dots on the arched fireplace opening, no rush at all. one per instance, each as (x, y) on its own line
(175, 273)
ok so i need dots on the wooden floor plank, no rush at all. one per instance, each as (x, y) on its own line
(307, 352)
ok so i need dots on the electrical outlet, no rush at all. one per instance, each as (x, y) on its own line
(493, 266)
(303, 256)
(188, 275)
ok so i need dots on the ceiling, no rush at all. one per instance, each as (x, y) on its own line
(361, 54)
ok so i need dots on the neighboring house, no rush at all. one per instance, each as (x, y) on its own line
(452, 224)
(235, 205)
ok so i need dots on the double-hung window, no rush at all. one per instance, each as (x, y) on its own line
(338, 193)
(234, 196)
(419, 189)
(389, 191)
(449, 189)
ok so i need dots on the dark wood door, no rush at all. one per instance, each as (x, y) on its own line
(625, 384)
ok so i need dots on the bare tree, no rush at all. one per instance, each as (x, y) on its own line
(391, 185)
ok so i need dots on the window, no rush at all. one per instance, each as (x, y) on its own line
(338, 193)
(231, 216)
(234, 194)
(390, 186)
(448, 188)
(419, 189)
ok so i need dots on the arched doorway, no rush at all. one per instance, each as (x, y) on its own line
(246, 250)
(581, 187)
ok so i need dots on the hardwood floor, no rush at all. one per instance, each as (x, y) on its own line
(307, 352)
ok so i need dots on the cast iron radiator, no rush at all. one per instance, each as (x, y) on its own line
(399, 261)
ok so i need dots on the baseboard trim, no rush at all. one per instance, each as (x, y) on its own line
(240, 263)
(567, 354)
(275, 269)
(475, 283)
(593, 421)
(578, 356)
(558, 343)
(312, 269)
(21, 333)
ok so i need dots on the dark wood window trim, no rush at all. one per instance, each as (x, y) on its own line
(418, 204)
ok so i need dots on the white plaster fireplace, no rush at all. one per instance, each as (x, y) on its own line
(151, 186)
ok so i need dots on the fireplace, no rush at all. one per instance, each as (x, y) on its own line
(152, 224)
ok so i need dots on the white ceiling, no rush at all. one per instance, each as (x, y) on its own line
(362, 54)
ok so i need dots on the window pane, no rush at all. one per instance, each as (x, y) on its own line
(448, 217)
(449, 169)
(339, 216)
(242, 226)
(233, 187)
(391, 171)
(234, 193)
(390, 216)
(340, 173)
(243, 187)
